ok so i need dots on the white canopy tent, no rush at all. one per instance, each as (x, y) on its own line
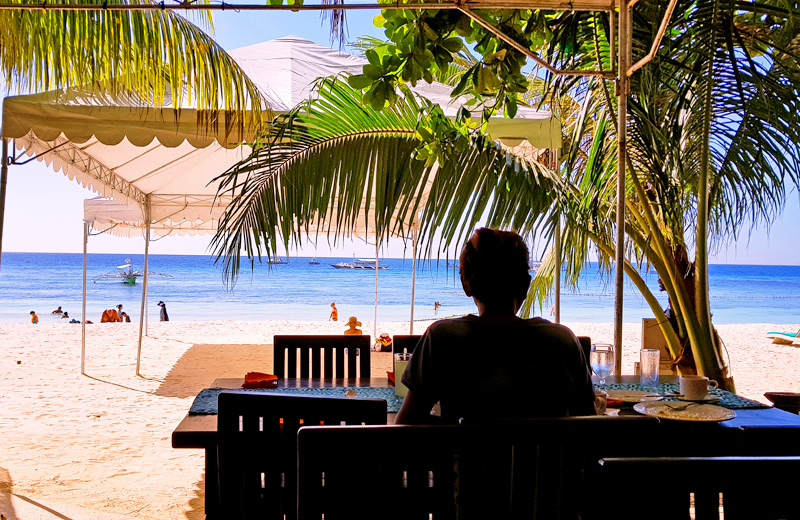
(162, 160)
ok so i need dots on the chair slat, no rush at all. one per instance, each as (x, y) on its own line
(322, 356)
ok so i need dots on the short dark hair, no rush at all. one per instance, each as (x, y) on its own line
(494, 266)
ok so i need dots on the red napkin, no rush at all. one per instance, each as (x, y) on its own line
(390, 375)
(260, 380)
(614, 403)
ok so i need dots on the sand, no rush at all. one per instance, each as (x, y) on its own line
(98, 447)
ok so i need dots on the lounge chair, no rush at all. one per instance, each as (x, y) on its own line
(784, 338)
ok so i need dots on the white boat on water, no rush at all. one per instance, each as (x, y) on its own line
(313, 261)
(128, 273)
(360, 263)
(534, 266)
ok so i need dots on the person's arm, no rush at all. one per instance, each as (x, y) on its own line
(415, 410)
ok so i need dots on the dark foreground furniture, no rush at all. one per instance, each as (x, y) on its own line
(321, 356)
(533, 469)
(745, 488)
(257, 439)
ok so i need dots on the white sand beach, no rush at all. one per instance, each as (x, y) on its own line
(98, 447)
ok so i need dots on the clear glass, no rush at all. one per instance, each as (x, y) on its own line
(602, 360)
(648, 363)
(400, 363)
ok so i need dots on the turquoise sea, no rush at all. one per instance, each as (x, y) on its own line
(300, 291)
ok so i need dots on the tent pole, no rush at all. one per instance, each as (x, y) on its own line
(557, 288)
(413, 278)
(3, 187)
(375, 322)
(83, 302)
(144, 283)
(623, 88)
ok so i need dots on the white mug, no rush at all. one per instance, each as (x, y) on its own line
(696, 388)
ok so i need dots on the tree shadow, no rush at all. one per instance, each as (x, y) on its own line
(201, 364)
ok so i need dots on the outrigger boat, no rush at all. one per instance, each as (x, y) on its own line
(313, 261)
(361, 263)
(128, 273)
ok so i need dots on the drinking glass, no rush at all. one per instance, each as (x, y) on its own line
(602, 360)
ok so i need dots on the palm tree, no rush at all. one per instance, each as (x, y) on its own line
(314, 170)
(713, 142)
(157, 55)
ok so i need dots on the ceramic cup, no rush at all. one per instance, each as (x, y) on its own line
(696, 388)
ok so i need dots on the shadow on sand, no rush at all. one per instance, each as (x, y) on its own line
(201, 364)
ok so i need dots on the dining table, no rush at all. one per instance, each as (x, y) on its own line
(758, 429)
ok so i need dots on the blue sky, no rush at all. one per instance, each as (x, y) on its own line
(44, 209)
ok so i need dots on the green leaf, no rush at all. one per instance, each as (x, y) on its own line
(359, 81)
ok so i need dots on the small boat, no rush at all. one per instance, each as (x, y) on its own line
(128, 273)
(277, 260)
(534, 266)
(313, 261)
(361, 263)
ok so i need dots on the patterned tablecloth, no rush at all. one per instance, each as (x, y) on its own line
(206, 401)
(727, 399)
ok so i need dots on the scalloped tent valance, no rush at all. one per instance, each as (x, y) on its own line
(133, 153)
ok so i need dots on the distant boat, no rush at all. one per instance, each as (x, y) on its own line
(128, 273)
(534, 266)
(361, 263)
(277, 260)
(313, 261)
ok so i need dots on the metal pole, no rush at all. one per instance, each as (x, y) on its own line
(623, 88)
(144, 283)
(83, 303)
(413, 277)
(375, 322)
(557, 287)
(3, 183)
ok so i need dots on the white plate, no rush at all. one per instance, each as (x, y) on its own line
(631, 396)
(698, 412)
(707, 399)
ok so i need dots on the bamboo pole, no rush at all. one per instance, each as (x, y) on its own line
(3, 188)
(144, 282)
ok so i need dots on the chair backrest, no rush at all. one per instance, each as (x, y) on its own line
(668, 487)
(256, 451)
(404, 343)
(586, 345)
(532, 469)
(321, 356)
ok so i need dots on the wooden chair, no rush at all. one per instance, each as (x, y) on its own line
(404, 344)
(256, 453)
(321, 356)
(533, 469)
(743, 487)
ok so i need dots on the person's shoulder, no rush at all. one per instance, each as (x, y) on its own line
(549, 327)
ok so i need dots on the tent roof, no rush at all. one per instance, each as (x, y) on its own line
(128, 150)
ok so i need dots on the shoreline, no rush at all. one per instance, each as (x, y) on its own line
(98, 447)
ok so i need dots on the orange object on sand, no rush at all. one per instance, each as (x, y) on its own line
(110, 316)
(260, 380)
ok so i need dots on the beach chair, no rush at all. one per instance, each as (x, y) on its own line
(256, 453)
(742, 487)
(783, 338)
(534, 469)
(321, 356)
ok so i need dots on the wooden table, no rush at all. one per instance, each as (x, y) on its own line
(200, 431)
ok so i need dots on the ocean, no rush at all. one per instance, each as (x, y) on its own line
(301, 291)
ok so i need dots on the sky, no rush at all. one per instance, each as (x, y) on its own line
(44, 209)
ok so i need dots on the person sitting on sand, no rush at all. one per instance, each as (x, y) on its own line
(482, 367)
(123, 316)
(110, 316)
(334, 313)
(57, 311)
(34, 318)
(351, 324)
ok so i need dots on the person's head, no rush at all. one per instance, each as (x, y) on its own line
(333, 304)
(494, 268)
(119, 306)
(160, 304)
(33, 312)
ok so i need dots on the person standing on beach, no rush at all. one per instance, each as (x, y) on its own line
(497, 353)
(34, 318)
(334, 313)
(163, 312)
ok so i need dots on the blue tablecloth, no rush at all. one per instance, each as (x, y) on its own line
(727, 399)
(206, 401)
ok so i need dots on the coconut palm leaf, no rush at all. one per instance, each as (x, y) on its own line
(332, 164)
(155, 54)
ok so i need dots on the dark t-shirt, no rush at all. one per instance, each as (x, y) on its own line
(482, 369)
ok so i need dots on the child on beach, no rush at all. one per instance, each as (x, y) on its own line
(482, 367)
(34, 318)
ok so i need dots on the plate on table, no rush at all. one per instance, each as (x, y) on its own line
(630, 396)
(706, 399)
(694, 412)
